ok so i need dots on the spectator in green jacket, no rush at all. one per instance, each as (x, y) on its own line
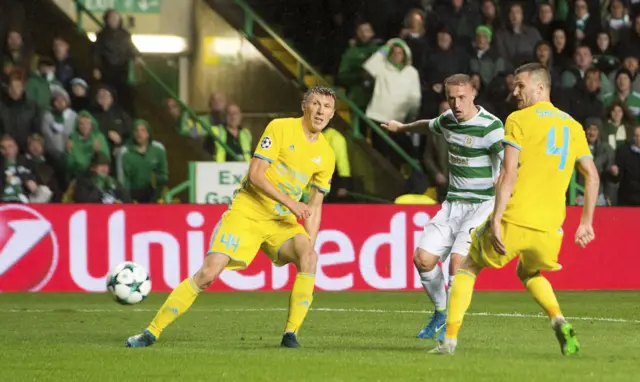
(351, 74)
(142, 165)
(40, 84)
(624, 92)
(85, 140)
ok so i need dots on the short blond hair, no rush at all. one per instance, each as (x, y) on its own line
(458, 80)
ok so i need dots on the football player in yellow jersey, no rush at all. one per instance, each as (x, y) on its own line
(542, 146)
(264, 214)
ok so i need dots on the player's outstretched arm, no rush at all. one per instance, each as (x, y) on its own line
(587, 168)
(420, 126)
(257, 177)
(312, 224)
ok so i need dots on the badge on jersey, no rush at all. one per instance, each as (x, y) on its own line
(266, 143)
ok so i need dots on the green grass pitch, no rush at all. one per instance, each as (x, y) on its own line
(346, 337)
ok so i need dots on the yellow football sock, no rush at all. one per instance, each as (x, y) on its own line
(176, 304)
(542, 292)
(300, 301)
(459, 301)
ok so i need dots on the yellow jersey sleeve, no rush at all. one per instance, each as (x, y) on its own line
(270, 142)
(513, 134)
(581, 144)
(322, 179)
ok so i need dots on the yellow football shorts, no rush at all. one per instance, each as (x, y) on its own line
(240, 237)
(538, 250)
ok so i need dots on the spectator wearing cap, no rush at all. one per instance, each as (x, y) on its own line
(58, 124)
(85, 140)
(624, 93)
(41, 83)
(630, 63)
(80, 94)
(603, 157)
(20, 117)
(95, 185)
(142, 165)
(114, 122)
(65, 67)
(627, 171)
(43, 166)
(516, 42)
(485, 60)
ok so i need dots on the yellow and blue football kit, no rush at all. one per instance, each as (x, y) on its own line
(550, 143)
(254, 220)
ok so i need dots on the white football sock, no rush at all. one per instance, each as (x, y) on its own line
(433, 283)
(449, 288)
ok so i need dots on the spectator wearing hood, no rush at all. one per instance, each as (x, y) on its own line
(85, 140)
(603, 157)
(624, 93)
(485, 60)
(114, 122)
(19, 116)
(95, 185)
(396, 94)
(142, 165)
(80, 94)
(58, 124)
(113, 51)
(41, 83)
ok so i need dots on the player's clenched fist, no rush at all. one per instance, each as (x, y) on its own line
(300, 209)
(584, 235)
(392, 126)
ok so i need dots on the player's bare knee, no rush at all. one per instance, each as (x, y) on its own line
(307, 261)
(424, 261)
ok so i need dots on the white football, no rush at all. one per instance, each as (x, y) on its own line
(129, 283)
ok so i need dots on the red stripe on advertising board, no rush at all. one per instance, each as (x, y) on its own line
(53, 248)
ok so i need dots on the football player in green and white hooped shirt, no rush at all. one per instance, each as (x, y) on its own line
(475, 153)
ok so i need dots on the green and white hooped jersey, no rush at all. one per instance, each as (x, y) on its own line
(475, 152)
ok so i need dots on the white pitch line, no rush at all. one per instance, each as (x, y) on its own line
(334, 310)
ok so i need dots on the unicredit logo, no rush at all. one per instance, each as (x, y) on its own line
(29, 249)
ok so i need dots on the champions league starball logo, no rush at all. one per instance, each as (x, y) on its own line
(29, 250)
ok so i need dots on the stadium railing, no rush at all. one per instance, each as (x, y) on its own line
(303, 67)
(81, 10)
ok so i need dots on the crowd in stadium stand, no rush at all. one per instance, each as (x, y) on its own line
(64, 141)
(591, 48)
(61, 140)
